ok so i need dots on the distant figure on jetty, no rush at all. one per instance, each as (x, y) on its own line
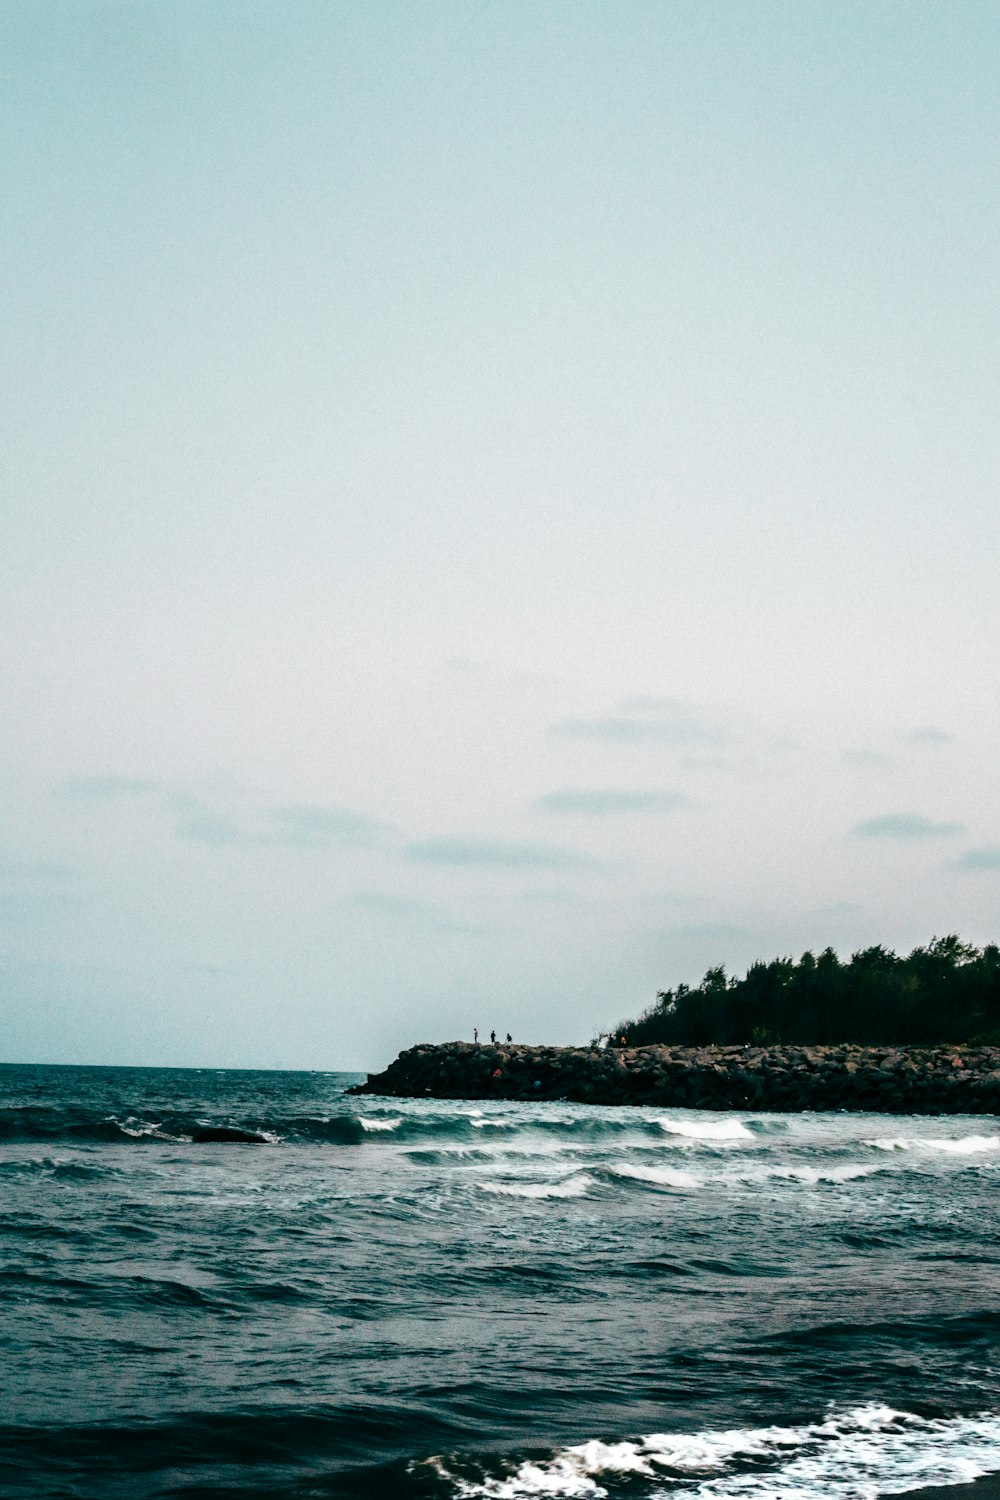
(475, 1034)
(509, 1039)
(493, 1037)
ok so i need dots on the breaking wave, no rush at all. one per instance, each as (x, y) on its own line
(570, 1187)
(707, 1130)
(867, 1451)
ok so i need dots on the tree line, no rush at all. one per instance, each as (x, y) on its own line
(948, 991)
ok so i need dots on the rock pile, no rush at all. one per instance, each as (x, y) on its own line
(893, 1080)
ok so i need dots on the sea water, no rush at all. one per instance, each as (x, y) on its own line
(431, 1299)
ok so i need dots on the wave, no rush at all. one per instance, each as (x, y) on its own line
(576, 1186)
(81, 1126)
(969, 1145)
(966, 1145)
(871, 1450)
(660, 1176)
(811, 1176)
(707, 1130)
(49, 1166)
(509, 1129)
(344, 1127)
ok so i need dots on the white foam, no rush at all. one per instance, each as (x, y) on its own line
(380, 1124)
(707, 1130)
(570, 1187)
(136, 1131)
(846, 1172)
(865, 1452)
(966, 1145)
(666, 1176)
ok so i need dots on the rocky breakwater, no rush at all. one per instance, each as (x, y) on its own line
(893, 1080)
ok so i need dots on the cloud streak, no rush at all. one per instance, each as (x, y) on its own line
(929, 734)
(905, 826)
(875, 760)
(609, 802)
(31, 890)
(108, 787)
(392, 908)
(987, 858)
(496, 854)
(644, 720)
(22, 872)
(296, 826)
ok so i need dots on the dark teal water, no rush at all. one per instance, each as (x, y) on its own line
(423, 1299)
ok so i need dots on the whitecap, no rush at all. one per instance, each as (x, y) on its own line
(869, 1450)
(570, 1187)
(846, 1172)
(967, 1145)
(664, 1176)
(380, 1124)
(136, 1131)
(707, 1130)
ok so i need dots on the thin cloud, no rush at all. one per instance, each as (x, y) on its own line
(643, 720)
(393, 908)
(105, 788)
(621, 730)
(32, 871)
(553, 897)
(682, 900)
(609, 803)
(906, 826)
(32, 906)
(987, 858)
(207, 826)
(873, 760)
(385, 904)
(648, 703)
(929, 734)
(317, 827)
(31, 890)
(496, 854)
(722, 932)
(299, 826)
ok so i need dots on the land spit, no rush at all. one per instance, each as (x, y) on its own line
(893, 1080)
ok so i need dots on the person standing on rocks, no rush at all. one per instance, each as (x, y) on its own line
(493, 1037)
(475, 1035)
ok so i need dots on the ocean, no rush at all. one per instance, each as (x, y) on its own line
(456, 1300)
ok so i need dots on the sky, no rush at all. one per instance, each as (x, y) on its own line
(499, 511)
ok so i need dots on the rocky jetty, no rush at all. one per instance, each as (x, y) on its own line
(894, 1080)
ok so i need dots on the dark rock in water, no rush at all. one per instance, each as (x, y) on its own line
(890, 1080)
(228, 1133)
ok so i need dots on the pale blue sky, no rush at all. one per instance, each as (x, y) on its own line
(499, 511)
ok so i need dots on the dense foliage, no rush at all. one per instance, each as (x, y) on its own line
(945, 992)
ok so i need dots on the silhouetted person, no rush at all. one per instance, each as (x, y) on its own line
(493, 1037)
(509, 1038)
(475, 1034)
